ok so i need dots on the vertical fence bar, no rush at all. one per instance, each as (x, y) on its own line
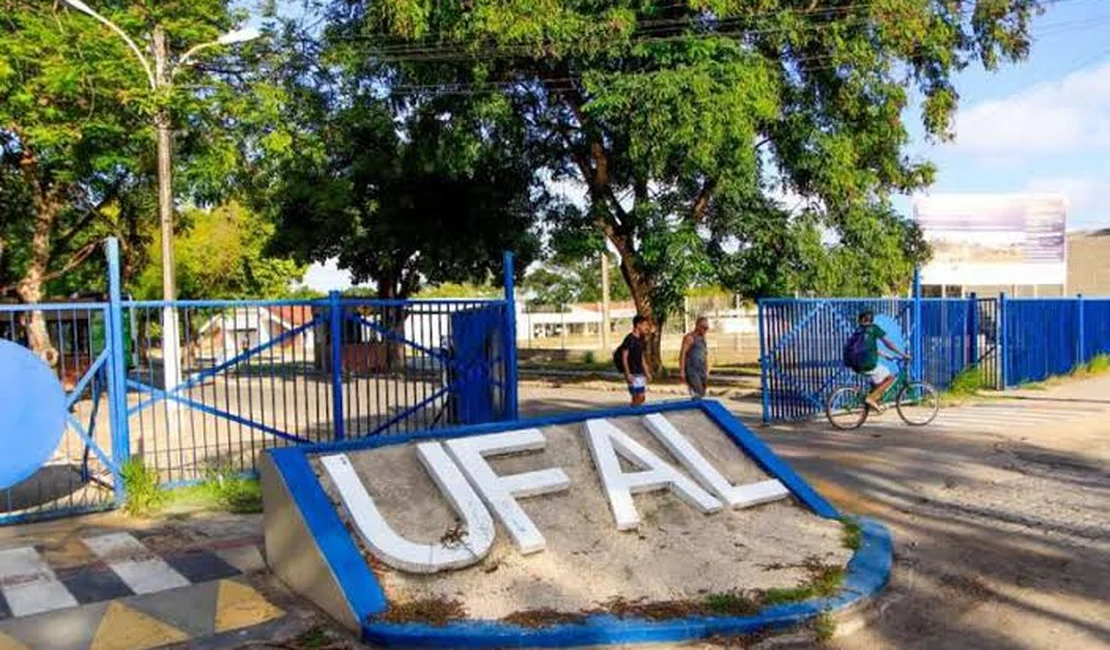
(1081, 331)
(511, 405)
(1001, 344)
(765, 390)
(117, 369)
(335, 315)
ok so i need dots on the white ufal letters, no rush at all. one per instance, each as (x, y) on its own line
(736, 496)
(400, 553)
(499, 492)
(606, 441)
(461, 471)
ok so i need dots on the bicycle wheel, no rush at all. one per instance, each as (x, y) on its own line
(917, 403)
(845, 408)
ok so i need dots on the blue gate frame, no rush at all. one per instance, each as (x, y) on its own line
(304, 383)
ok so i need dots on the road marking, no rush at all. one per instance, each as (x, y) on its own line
(140, 569)
(29, 584)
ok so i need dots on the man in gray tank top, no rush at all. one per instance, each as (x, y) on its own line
(693, 359)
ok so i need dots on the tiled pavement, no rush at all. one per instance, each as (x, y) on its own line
(126, 597)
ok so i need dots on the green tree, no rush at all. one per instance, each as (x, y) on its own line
(565, 280)
(682, 118)
(77, 136)
(435, 199)
(221, 254)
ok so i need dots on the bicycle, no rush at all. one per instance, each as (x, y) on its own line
(917, 402)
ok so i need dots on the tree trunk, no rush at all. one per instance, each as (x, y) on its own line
(31, 286)
(641, 289)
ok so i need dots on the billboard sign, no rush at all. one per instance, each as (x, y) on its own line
(994, 239)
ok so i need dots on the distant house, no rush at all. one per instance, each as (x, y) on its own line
(235, 331)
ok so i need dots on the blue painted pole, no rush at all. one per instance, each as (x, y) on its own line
(973, 328)
(117, 367)
(335, 317)
(512, 407)
(1081, 326)
(764, 388)
(1001, 342)
(917, 340)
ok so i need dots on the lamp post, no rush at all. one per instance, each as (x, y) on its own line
(161, 78)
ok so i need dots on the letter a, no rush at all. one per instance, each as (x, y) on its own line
(398, 552)
(736, 496)
(606, 441)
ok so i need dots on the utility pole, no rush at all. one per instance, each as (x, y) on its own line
(171, 342)
(605, 299)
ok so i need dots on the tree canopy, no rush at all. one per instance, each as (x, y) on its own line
(685, 120)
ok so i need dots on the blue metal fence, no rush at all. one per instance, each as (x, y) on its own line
(253, 374)
(1052, 336)
(801, 345)
(1009, 341)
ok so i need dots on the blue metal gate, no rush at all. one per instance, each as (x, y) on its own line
(801, 343)
(254, 375)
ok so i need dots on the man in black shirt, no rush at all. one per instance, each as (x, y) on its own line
(635, 372)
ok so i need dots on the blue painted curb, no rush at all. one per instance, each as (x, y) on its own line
(867, 572)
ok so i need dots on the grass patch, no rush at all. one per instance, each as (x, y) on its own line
(433, 611)
(731, 603)
(313, 639)
(969, 382)
(145, 496)
(824, 627)
(223, 490)
(824, 581)
(1098, 365)
(851, 534)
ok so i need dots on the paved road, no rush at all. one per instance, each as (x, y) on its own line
(1000, 513)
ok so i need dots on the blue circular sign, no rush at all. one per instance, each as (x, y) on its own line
(897, 337)
(32, 413)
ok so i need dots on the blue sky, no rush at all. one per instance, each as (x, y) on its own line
(1042, 125)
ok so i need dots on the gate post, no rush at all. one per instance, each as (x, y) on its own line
(1000, 342)
(512, 407)
(1081, 354)
(117, 367)
(765, 389)
(917, 341)
(335, 319)
(973, 328)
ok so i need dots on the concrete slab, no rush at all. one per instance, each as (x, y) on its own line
(67, 629)
(190, 609)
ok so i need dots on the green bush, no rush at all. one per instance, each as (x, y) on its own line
(145, 496)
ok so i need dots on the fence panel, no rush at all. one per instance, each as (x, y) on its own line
(1096, 327)
(1041, 338)
(802, 342)
(78, 477)
(252, 376)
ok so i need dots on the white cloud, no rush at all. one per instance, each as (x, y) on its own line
(1088, 196)
(1066, 115)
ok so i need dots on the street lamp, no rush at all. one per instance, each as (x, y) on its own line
(159, 79)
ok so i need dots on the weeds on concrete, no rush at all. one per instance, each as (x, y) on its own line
(824, 581)
(145, 496)
(824, 626)
(851, 534)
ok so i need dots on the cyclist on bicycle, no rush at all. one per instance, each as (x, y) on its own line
(861, 354)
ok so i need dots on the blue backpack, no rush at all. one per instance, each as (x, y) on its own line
(855, 349)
